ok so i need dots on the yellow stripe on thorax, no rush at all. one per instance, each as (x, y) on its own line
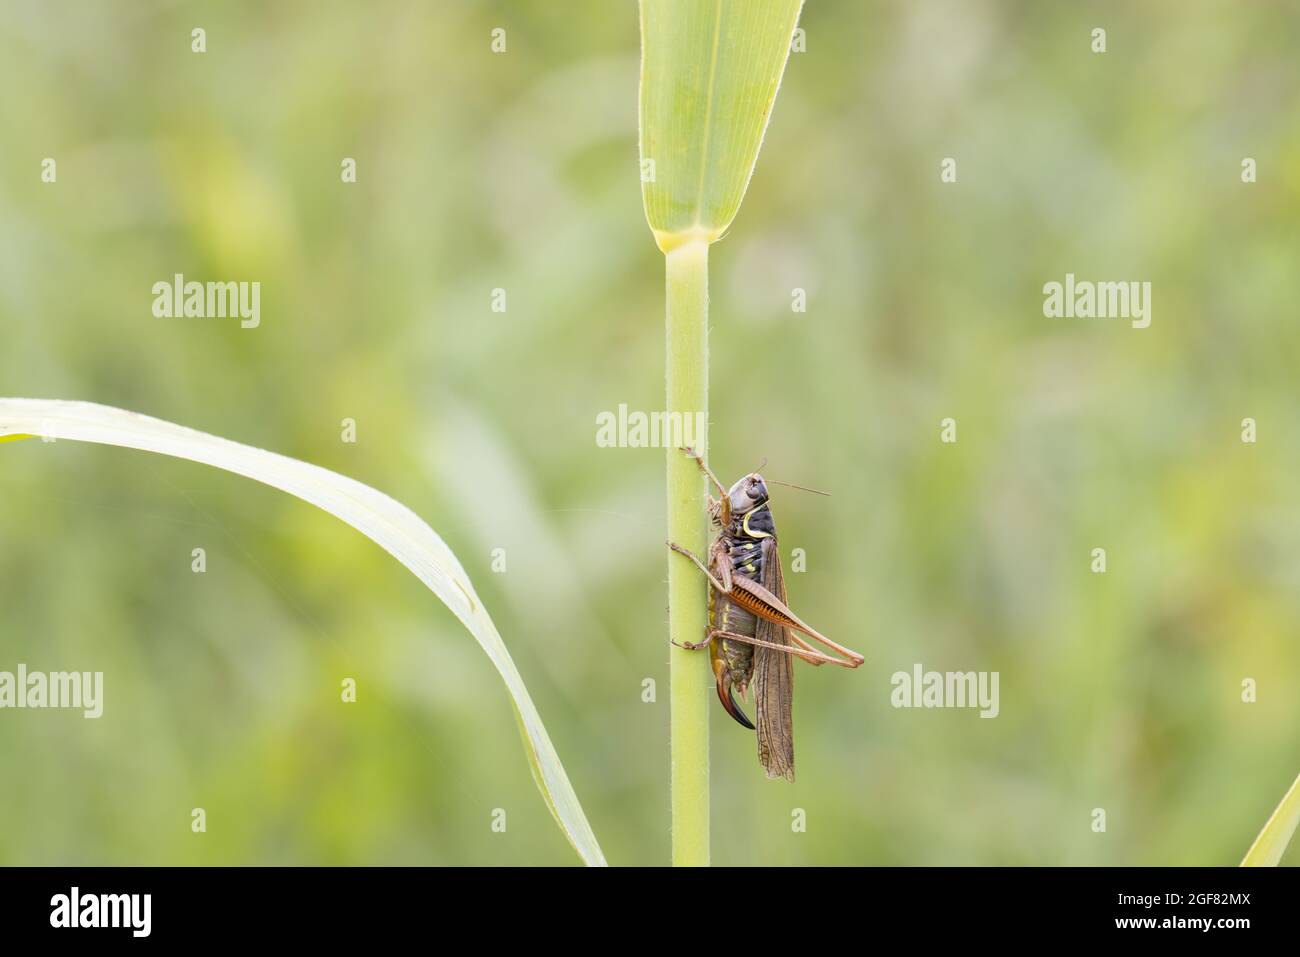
(749, 531)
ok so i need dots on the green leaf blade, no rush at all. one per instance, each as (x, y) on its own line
(1272, 841)
(383, 520)
(710, 71)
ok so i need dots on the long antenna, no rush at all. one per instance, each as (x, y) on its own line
(802, 488)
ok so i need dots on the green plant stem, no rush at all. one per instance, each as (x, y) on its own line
(687, 370)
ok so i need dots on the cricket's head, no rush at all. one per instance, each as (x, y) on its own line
(747, 494)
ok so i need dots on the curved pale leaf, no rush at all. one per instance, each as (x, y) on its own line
(391, 525)
(710, 70)
(1276, 835)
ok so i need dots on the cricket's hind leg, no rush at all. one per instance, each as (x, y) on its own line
(810, 655)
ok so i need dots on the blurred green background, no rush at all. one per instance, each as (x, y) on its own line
(519, 170)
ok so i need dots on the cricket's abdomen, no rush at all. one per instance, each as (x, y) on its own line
(726, 615)
(733, 660)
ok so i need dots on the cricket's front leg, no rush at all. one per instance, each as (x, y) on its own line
(699, 460)
(720, 507)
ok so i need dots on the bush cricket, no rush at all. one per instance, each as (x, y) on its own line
(752, 634)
